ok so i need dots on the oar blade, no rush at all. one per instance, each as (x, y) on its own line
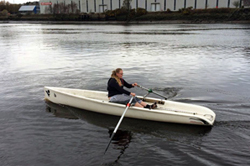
(118, 124)
(109, 142)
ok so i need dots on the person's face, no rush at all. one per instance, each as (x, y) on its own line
(120, 74)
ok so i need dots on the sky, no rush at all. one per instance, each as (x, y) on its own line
(20, 1)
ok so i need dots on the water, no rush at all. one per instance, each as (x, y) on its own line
(208, 65)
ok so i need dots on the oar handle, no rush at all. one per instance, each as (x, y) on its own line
(151, 91)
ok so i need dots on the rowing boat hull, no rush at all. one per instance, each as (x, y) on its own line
(97, 101)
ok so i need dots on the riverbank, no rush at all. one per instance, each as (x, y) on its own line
(125, 22)
(183, 16)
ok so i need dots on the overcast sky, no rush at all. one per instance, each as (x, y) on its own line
(20, 1)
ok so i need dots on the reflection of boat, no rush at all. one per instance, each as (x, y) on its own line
(120, 140)
(132, 125)
(59, 112)
(133, 129)
(96, 101)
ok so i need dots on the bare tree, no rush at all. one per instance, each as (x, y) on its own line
(61, 8)
(236, 4)
(73, 7)
(49, 9)
(127, 4)
(11, 8)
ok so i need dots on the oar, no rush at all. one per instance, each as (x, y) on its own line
(151, 91)
(118, 124)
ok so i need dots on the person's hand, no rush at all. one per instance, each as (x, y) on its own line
(132, 94)
(134, 84)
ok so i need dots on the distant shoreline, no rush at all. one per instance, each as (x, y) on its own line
(184, 16)
(125, 22)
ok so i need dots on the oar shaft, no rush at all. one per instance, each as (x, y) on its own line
(143, 88)
(159, 95)
(151, 91)
(118, 124)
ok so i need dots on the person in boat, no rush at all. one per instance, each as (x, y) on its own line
(117, 94)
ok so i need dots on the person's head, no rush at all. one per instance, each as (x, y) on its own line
(117, 74)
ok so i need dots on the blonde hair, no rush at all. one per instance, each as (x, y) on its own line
(113, 75)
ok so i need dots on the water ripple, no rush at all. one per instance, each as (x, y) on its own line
(201, 64)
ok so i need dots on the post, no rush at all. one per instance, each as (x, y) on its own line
(50, 7)
(71, 6)
(165, 5)
(87, 7)
(64, 10)
(110, 4)
(155, 6)
(80, 6)
(102, 6)
(228, 4)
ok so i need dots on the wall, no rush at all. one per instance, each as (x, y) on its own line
(174, 5)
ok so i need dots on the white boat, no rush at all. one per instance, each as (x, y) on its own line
(97, 101)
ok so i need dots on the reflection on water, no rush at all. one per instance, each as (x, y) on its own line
(108, 121)
(121, 140)
(134, 125)
(170, 92)
(204, 64)
(187, 135)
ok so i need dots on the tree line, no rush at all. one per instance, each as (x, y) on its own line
(6, 7)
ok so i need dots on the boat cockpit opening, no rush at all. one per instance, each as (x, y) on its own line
(152, 101)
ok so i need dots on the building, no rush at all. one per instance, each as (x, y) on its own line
(25, 9)
(99, 6)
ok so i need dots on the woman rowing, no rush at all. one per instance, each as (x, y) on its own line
(117, 94)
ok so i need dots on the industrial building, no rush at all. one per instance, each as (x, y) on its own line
(99, 6)
(29, 9)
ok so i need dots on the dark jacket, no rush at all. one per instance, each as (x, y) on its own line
(115, 89)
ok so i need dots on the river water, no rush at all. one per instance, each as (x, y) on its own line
(204, 64)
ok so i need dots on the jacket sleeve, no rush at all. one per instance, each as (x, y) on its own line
(113, 83)
(127, 84)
